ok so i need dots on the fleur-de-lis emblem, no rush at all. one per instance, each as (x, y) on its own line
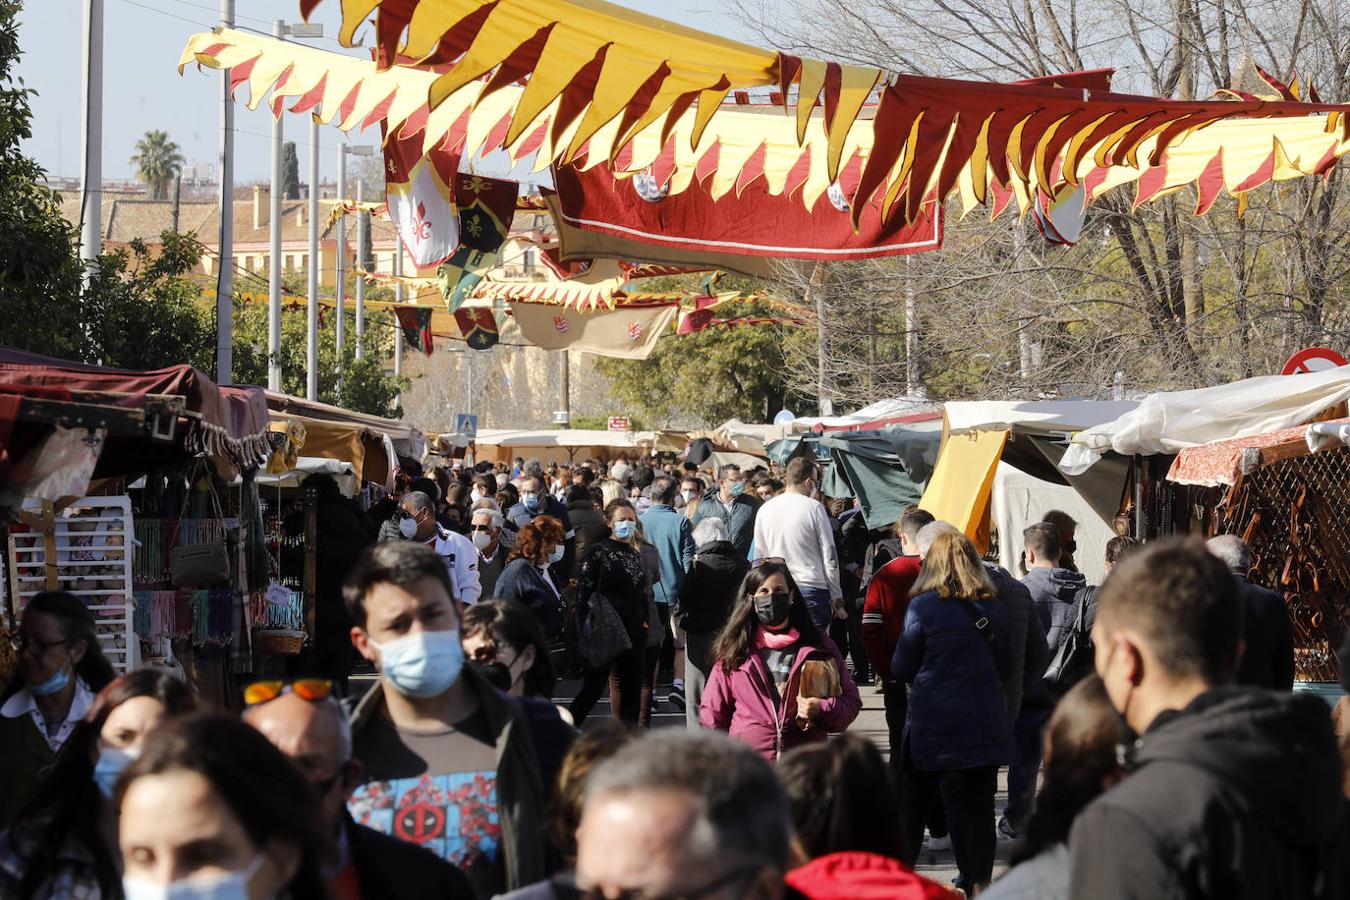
(476, 185)
(474, 226)
(422, 224)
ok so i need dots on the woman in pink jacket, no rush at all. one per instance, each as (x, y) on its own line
(752, 693)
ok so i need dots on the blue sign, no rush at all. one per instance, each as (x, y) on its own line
(466, 424)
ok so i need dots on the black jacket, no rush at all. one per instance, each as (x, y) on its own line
(1268, 661)
(709, 590)
(1236, 796)
(391, 869)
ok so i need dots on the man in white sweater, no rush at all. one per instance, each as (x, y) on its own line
(796, 528)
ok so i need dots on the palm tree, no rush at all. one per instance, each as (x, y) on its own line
(157, 161)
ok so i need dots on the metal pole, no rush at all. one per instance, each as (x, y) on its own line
(340, 289)
(274, 261)
(398, 298)
(312, 306)
(91, 136)
(567, 386)
(361, 250)
(225, 256)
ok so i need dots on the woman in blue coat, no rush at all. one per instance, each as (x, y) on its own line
(953, 654)
(528, 578)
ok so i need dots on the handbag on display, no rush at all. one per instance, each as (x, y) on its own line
(602, 636)
(199, 565)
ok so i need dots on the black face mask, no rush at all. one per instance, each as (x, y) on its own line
(498, 674)
(772, 609)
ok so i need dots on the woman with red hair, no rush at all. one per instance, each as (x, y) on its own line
(526, 577)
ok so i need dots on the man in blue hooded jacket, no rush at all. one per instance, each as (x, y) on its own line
(728, 502)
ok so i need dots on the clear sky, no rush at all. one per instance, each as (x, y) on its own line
(142, 89)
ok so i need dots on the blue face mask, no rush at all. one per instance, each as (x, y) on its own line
(737, 488)
(556, 555)
(624, 530)
(54, 685)
(531, 501)
(229, 886)
(111, 763)
(422, 665)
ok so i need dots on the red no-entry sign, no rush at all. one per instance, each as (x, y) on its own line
(1313, 359)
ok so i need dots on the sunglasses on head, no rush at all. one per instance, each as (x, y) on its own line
(315, 690)
(763, 560)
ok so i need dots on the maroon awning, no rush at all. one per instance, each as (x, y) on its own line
(228, 421)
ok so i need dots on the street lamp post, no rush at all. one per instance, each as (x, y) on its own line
(279, 31)
(343, 151)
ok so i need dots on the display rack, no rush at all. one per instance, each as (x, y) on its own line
(92, 542)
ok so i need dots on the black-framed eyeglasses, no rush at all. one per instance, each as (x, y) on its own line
(486, 529)
(740, 873)
(26, 646)
(764, 560)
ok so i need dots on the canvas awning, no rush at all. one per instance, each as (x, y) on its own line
(959, 489)
(363, 448)
(557, 445)
(407, 439)
(229, 422)
(1170, 422)
(1038, 432)
(885, 470)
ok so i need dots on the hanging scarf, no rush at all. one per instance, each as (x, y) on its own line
(775, 640)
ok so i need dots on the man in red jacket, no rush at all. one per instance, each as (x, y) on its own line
(884, 616)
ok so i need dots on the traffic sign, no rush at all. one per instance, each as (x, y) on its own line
(1313, 359)
(618, 423)
(466, 425)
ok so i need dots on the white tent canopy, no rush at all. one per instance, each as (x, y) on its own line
(890, 408)
(342, 472)
(1170, 422)
(1042, 417)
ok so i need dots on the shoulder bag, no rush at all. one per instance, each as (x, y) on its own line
(199, 565)
(602, 636)
(1073, 658)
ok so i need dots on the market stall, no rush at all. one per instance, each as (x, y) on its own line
(1287, 500)
(561, 445)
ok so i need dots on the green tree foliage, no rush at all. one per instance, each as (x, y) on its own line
(144, 311)
(290, 172)
(157, 161)
(366, 387)
(39, 272)
(708, 377)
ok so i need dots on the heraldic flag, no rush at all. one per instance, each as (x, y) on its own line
(486, 207)
(416, 327)
(420, 202)
(479, 327)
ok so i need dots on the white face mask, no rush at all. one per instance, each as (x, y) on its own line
(689, 496)
(227, 886)
(407, 528)
(481, 539)
(475, 495)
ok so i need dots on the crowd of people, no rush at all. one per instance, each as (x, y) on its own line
(1152, 743)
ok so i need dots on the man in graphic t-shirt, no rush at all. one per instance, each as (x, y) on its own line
(451, 764)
